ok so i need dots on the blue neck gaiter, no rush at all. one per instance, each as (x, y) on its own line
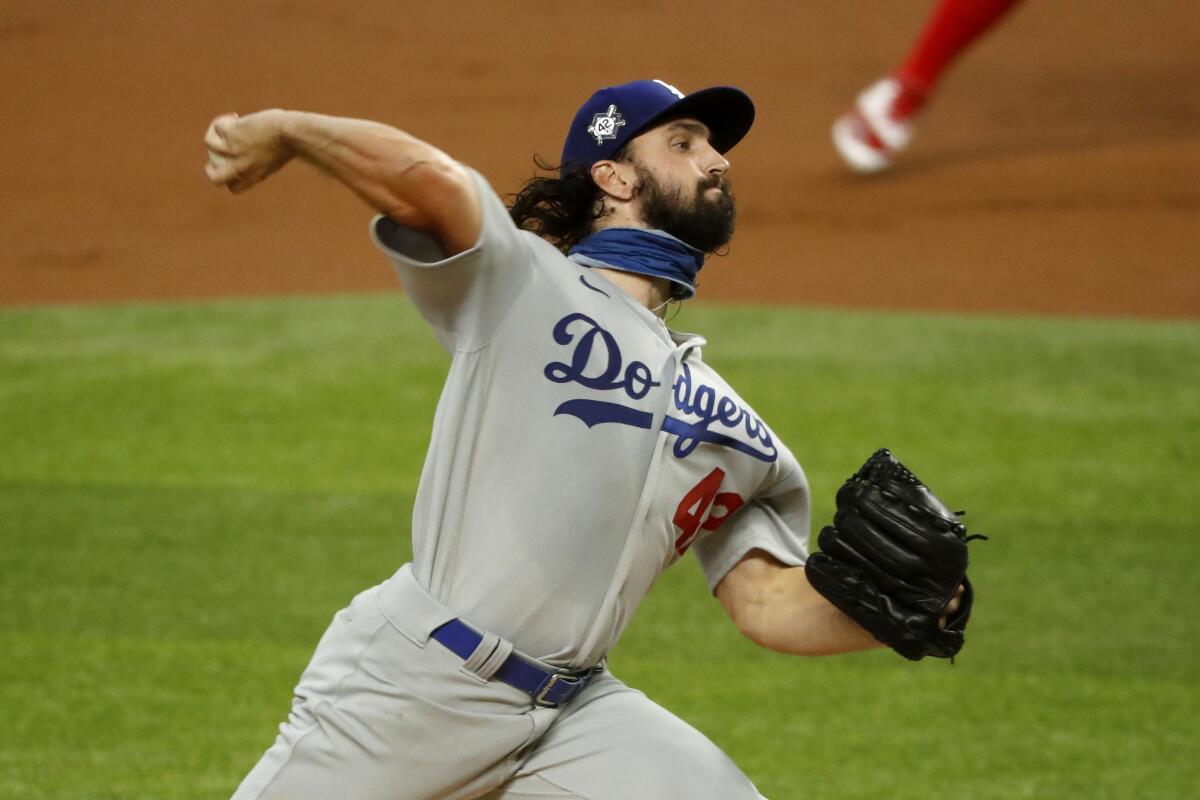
(647, 252)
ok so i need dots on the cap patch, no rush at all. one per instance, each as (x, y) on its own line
(604, 126)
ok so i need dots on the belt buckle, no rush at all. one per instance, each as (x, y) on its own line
(541, 700)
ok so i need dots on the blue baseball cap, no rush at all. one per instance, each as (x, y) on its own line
(616, 114)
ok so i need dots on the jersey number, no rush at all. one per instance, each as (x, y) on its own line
(697, 503)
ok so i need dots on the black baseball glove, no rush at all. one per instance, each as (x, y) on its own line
(893, 558)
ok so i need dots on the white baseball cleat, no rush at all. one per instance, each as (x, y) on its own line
(879, 126)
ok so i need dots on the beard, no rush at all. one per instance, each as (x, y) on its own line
(705, 223)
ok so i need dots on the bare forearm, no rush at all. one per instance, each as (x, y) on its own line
(777, 607)
(796, 619)
(378, 162)
(392, 171)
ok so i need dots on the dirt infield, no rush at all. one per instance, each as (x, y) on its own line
(1057, 172)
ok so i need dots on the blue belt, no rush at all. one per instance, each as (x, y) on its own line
(548, 688)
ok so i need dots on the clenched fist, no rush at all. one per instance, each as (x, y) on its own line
(242, 151)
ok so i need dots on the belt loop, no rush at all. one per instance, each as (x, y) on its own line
(482, 652)
(493, 662)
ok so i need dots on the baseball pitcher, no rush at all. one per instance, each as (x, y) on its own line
(580, 447)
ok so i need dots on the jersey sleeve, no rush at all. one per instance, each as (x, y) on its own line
(464, 297)
(776, 520)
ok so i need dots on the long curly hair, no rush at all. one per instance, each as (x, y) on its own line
(560, 208)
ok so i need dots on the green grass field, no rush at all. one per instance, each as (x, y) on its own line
(188, 492)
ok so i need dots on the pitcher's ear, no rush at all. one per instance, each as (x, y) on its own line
(616, 179)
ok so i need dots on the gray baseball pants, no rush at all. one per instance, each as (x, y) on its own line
(384, 712)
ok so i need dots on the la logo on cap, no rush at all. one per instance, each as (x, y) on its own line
(604, 126)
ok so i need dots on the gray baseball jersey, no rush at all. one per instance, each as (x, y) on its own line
(579, 447)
